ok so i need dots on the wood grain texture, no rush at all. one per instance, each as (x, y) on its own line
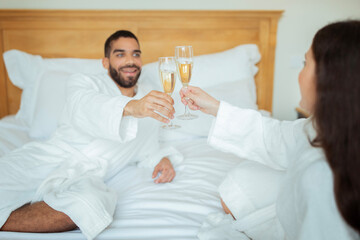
(81, 34)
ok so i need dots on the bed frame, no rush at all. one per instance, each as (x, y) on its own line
(81, 34)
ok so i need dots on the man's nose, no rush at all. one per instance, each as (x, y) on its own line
(129, 60)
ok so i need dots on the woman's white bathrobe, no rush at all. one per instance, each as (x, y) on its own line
(93, 142)
(302, 200)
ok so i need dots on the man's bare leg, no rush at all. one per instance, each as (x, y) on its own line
(226, 209)
(38, 217)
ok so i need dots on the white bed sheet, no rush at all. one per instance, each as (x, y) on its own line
(175, 210)
(13, 134)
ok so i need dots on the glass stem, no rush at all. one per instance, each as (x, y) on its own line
(170, 123)
(186, 110)
(186, 113)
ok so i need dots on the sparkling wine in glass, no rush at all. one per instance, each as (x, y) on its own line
(184, 62)
(167, 71)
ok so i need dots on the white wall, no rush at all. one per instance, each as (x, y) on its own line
(300, 21)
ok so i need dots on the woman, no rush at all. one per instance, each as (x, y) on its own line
(319, 197)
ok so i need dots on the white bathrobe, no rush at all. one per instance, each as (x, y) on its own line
(289, 197)
(93, 143)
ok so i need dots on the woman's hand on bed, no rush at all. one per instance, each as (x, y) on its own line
(166, 169)
(151, 105)
(198, 99)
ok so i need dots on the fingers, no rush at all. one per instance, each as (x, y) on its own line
(155, 172)
(162, 110)
(162, 95)
(157, 104)
(166, 176)
(189, 93)
(164, 103)
(160, 118)
(183, 100)
(192, 89)
(148, 110)
(151, 100)
(193, 106)
(181, 93)
(166, 169)
(200, 100)
(188, 98)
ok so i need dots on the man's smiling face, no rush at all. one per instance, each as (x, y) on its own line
(125, 62)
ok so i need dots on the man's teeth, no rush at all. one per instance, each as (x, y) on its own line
(130, 71)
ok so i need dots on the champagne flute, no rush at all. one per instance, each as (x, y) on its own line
(184, 62)
(167, 70)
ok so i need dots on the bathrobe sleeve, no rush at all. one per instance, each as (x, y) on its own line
(249, 135)
(97, 114)
(152, 159)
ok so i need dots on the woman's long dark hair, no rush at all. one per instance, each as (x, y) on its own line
(336, 50)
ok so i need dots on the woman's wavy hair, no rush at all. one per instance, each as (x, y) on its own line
(336, 50)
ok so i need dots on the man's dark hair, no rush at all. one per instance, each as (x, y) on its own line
(115, 36)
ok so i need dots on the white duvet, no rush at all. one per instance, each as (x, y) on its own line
(176, 210)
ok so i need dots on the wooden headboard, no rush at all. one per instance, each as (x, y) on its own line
(81, 34)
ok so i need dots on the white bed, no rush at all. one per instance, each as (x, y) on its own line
(145, 210)
(167, 211)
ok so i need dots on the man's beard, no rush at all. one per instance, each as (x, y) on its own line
(120, 80)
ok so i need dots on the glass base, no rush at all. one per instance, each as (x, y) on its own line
(169, 127)
(187, 116)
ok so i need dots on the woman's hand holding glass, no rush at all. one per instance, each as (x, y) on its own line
(184, 61)
(198, 99)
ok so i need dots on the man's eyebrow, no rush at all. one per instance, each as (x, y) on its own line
(122, 50)
(118, 50)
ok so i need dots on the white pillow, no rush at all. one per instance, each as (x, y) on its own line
(228, 76)
(50, 102)
(236, 64)
(26, 70)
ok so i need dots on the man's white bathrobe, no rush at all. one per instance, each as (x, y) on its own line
(93, 142)
(290, 194)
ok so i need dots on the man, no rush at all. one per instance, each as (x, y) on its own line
(107, 123)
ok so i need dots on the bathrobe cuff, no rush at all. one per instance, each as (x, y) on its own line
(239, 131)
(235, 198)
(153, 159)
(223, 126)
(250, 187)
(127, 126)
